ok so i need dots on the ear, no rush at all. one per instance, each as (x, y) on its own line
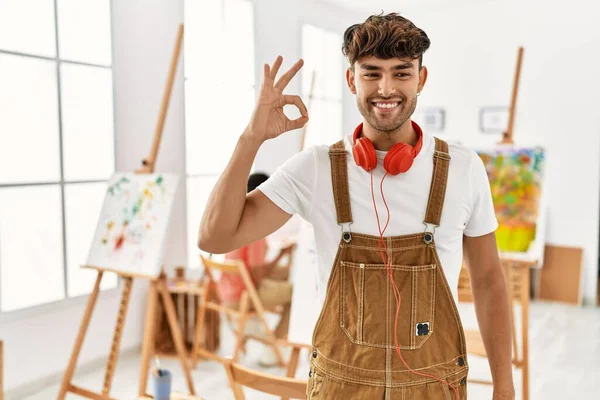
(422, 78)
(350, 80)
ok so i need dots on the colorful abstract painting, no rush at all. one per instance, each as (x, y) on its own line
(131, 231)
(516, 178)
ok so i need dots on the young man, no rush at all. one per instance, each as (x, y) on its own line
(392, 209)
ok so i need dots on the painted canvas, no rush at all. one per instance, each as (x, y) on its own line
(132, 227)
(516, 178)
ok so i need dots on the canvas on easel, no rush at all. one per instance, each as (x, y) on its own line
(129, 241)
(132, 227)
(516, 175)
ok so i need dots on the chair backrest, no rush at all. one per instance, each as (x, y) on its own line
(229, 266)
(239, 375)
(238, 267)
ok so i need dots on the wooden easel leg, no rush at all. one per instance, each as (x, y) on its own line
(114, 350)
(525, 324)
(149, 332)
(85, 322)
(176, 333)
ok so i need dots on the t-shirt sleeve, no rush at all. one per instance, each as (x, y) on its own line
(291, 186)
(482, 218)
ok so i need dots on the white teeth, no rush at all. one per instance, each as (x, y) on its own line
(386, 105)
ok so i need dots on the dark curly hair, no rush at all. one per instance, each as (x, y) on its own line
(385, 36)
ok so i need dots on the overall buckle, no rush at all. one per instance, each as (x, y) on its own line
(346, 234)
(428, 233)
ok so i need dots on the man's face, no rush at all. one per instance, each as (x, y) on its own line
(386, 90)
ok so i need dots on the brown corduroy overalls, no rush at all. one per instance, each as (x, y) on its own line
(354, 353)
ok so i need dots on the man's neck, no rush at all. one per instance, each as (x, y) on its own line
(384, 141)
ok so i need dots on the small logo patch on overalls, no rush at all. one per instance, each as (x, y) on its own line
(422, 329)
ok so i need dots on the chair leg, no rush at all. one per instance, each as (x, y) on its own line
(272, 340)
(229, 319)
(241, 326)
(238, 393)
(200, 315)
(292, 365)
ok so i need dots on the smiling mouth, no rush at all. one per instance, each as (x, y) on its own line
(386, 106)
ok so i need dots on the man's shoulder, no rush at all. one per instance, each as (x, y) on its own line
(321, 153)
(461, 155)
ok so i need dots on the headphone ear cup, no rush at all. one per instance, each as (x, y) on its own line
(399, 159)
(364, 154)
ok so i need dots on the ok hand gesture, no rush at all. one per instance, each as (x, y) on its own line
(268, 120)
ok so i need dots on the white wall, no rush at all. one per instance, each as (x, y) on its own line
(472, 62)
(38, 342)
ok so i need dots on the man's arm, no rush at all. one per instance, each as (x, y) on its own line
(490, 295)
(233, 218)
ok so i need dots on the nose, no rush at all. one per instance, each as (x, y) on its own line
(386, 87)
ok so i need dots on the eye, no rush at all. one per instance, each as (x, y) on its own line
(370, 75)
(403, 75)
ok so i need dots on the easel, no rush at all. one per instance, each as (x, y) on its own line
(507, 136)
(518, 266)
(157, 285)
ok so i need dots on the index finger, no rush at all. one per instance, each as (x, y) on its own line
(270, 72)
(287, 77)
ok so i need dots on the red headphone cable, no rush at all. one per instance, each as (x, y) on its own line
(388, 267)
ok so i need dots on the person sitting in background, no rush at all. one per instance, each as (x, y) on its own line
(269, 279)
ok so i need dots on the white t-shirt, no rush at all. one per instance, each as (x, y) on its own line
(303, 185)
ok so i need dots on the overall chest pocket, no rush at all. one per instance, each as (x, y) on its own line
(368, 304)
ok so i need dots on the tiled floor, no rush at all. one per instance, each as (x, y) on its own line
(564, 362)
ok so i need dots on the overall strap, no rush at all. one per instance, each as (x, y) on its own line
(437, 192)
(339, 178)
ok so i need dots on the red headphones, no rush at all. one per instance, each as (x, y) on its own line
(398, 159)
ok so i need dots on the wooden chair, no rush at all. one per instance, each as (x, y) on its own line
(294, 357)
(292, 364)
(278, 386)
(250, 306)
(518, 279)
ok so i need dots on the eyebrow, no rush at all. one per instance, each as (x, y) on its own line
(371, 67)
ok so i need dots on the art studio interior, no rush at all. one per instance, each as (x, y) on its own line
(312, 199)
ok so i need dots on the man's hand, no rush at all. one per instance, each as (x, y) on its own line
(288, 249)
(268, 120)
(285, 251)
